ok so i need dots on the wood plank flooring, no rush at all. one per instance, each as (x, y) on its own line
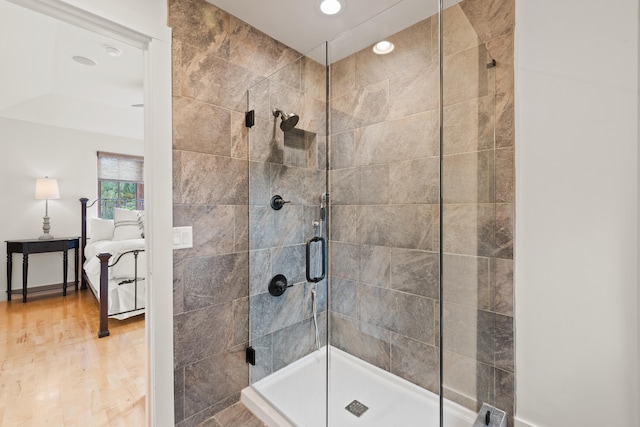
(54, 371)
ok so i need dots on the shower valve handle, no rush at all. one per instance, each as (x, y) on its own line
(278, 285)
(277, 202)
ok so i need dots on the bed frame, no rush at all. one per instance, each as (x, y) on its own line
(104, 273)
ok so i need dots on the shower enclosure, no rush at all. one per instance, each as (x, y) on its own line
(377, 233)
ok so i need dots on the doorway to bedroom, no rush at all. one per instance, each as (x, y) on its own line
(68, 94)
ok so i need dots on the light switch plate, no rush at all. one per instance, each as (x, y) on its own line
(182, 237)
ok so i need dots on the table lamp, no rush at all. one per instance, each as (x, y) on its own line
(47, 188)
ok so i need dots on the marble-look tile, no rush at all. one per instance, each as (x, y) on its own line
(362, 340)
(238, 416)
(239, 136)
(296, 341)
(258, 100)
(505, 120)
(505, 175)
(415, 361)
(178, 287)
(495, 340)
(342, 150)
(501, 49)
(289, 261)
(202, 333)
(502, 285)
(269, 228)
(466, 381)
(286, 99)
(263, 347)
(492, 18)
(469, 229)
(415, 272)
(402, 226)
(314, 79)
(178, 395)
(213, 379)
(458, 33)
(468, 66)
(252, 49)
(466, 281)
(321, 298)
(294, 184)
(211, 422)
(208, 78)
(504, 230)
(407, 138)
(201, 25)
(215, 280)
(259, 271)
(344, 298)
(363, 107)
(176, 173)
(313, 116)
(268, 314)
(462, 333)
(345, 186)
(414, 181)
(469, 177)
(213, 228)
(241, 228)
(201, 127)
(405, 314)
(176, 67)
(345, 259)
(343, 77)
(259, 183)
(203, 416)
(375, 265)
(469, 126)
(505, 391)
(266, 142)
(241, 321)
(343, 224)
(213, 179)
(290, 75)
(415, 93)
(412, 53)
(374, 185)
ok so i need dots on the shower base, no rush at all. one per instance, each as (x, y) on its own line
(295, 396)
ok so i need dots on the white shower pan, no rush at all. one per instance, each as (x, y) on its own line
(294, 396)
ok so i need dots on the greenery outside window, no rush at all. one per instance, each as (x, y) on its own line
(120, 183)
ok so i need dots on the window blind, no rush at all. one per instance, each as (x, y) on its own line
(120, 167)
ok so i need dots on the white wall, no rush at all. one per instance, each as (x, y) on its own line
(577, 212)
(31, 151)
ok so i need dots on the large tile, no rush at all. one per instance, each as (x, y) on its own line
(468, 66)
(178, 287)
(469, 177)
(469, 229)
(505, 120)
(343, 76)
(402, 226)
(458, 33)
(505, 175)
(466, 281)
(490, 18)
(343, 224)
(405, 314)
(213, 379)
(314, 79)
(344, 186)
(415, 272)
(374, 185)
(213, 179)
(296, 341)
(375, 265)
(268, 314)
(289, 261)
(178, 395)
(238, 416)
(342, 150)
(202, 333)
(469, 126)
(414, 181)
(495, 340)
(345, 260)
(213, 228)
(263, 347)
(198, 126)
(344, 297)
(502, 50)
(502, 285)
(362, 107)
(241, 228)
(215, 280)
(200, 24)
(461, 332)
(415, 361)
(270, 228)
(239, 136)
(415, 93)
(241, 321)
(204, 416)
(362, 340)
(260, 273)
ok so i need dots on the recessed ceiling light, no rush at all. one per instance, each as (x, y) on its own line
(113, 51)
(83, 60)
(330, 7)
(383, 47)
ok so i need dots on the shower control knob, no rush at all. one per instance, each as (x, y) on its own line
(278, 285)
(277, 202)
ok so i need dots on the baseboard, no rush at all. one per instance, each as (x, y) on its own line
(520, 423)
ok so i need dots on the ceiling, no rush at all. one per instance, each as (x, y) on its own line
(40, 83)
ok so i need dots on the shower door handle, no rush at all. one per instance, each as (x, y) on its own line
(322, 248)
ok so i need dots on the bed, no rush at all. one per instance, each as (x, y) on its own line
(114, 263)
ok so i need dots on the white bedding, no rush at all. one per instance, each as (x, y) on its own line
(121, 296)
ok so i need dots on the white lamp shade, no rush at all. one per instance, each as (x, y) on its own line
(47, 188)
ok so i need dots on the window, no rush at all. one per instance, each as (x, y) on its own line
(120, 183)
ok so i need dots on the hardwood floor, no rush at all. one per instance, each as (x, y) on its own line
(54, 371)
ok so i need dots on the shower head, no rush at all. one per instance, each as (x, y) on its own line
(289, 121)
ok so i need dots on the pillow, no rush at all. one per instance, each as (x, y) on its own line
(100, 229)
(141, 222)
(126, 224)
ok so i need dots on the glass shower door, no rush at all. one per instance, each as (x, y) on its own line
(287, 232)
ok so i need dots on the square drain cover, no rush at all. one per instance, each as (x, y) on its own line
(356, 408)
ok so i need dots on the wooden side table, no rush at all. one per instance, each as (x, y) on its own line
(37, 246)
